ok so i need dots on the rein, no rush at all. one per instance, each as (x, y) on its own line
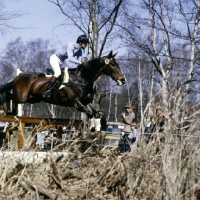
(89, 67)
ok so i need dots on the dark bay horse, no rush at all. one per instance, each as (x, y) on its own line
(29, 88)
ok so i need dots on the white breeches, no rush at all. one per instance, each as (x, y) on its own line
(57, 65)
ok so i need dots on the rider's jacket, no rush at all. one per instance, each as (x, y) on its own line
(71, 54)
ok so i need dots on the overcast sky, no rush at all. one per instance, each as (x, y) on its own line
(43, 19)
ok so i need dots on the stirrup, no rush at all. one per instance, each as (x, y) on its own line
(63, 85)
(47, 94)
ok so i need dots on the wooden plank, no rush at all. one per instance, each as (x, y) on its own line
(21, 135)
(43, 121)
(113, 137)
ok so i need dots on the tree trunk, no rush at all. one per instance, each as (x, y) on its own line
(140, 95)
(110, 100)
(151, 91)
(116, 104)
(128, 90)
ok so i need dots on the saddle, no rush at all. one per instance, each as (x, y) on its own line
(61, 79)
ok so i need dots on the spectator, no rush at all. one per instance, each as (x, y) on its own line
(134, 134)
(73, 132)
(184, 120)
(160, 119)
(149, 128)
(127, 117)
(50, 139)
(73, 129)
(3, 128)
(159, 123)
(103, 122)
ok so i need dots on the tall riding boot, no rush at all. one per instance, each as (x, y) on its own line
(50, 88)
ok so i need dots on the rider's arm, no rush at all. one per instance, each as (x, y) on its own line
(70, 53)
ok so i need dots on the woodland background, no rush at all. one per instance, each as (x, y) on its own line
(160, 61)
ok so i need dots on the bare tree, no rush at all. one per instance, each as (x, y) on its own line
(7, 19)
(164, 32)
(13, 57)
(140, 92)
(92, 17)
(96, 19)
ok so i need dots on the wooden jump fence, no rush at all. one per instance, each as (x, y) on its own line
(43, 122)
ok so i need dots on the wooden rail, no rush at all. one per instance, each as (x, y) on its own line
(40, 121)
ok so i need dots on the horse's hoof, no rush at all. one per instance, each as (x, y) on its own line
(89, 114)
(96, 115)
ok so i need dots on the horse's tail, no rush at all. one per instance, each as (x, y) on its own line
(7, 87)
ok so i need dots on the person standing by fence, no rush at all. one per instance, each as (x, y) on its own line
(149, 128)
(128, 116)
(160, 119)
(3, 128)
(103, 122)
(160, 123)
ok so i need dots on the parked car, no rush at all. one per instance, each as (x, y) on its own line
(113, 134)
(114, 127)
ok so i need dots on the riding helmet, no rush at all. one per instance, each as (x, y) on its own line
(82, 39)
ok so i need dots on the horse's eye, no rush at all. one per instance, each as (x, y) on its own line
(113, 64)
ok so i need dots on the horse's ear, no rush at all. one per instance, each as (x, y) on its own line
(110, 55)
(114, 55)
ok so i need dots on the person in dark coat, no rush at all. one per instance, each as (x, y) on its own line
(160, 119)
(103, 122)
(160, 123)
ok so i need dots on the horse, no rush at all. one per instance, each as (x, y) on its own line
(29, 88)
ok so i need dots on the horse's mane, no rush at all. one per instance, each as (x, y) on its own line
(95, 63)
(31, 74)
(92, 64)
(84, 74)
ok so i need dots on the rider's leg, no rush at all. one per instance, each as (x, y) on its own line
(65, 78)
(50, 88)
(55, 63)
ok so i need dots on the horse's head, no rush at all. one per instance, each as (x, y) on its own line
(111, 68)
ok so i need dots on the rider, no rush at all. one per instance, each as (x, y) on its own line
(70, 54)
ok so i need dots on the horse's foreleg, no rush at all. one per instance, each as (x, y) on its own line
(90, 106)
(95, 113)
(83, 108)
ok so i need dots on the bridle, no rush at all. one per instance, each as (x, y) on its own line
(99, 72)
(111, 65)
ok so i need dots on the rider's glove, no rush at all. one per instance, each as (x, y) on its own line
(84, 64)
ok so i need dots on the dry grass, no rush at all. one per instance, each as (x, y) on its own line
(159, 170)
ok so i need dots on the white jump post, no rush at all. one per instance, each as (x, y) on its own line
(19, 106)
